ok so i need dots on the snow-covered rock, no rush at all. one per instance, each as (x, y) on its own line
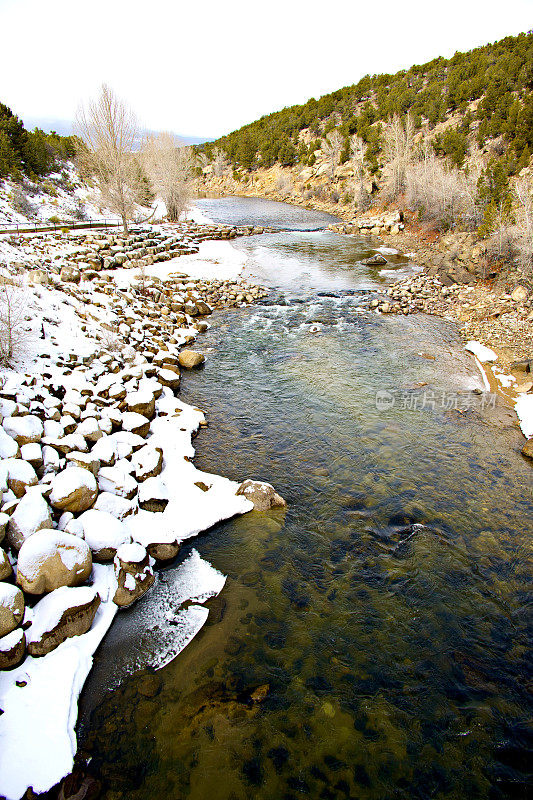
(31, 515)
(119, 507)
(153, 495)
(63, 613)
(263, 495)
(11, 608)
(50, 559)
(8, 446)
(136, 423)
(104, 533)
(24, 430)
(12, 649)
(74, 489)
(147, 462)
(18, 474)
(133, 572)
(117, 481)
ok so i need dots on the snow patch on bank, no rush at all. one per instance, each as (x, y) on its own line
(524, 410)
(40, 713)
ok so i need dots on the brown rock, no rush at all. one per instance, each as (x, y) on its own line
(79, 608)
(190, 358)
(262, 495)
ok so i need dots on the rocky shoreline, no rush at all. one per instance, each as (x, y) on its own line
(96, 470)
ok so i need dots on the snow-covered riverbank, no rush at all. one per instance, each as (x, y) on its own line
(97, 479)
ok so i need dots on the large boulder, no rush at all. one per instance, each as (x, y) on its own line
(24, 430)
(31, 515)
(262, 495)
(133, 572)
(12, 649)
(11, 608)
(75, 489)
(190, 359)
(104, 533)
(63, 613)
(51, 559)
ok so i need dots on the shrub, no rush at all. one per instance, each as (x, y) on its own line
(21, 203)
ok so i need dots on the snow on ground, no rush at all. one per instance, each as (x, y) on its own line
(524, 409)
(37, 726)
(482, 353)
(40, 704)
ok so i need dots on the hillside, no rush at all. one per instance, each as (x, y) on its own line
(475, 109)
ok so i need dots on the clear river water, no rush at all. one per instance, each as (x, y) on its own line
(373, 640)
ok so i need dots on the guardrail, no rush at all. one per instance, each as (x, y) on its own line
(21, 227)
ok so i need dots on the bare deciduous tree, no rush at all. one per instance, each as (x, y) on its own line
(332, 148)
(108, 133)
(170, 167)
(441, 194)
(524, 197)
(220, 163)
(399, 152)
(357, 150)
(13, 303)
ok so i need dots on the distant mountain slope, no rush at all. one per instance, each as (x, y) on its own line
(489, 90)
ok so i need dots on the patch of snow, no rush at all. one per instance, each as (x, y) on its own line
(524, 410)
(39, 718)
(482, 353)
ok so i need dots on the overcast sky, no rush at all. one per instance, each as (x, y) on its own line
(205, 68)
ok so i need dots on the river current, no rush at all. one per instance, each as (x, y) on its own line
(373, 640)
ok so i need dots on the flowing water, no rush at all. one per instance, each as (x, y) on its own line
(373, 640)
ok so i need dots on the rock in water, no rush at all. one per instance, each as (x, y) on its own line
(133, 572)
(190, 358)
(262, 495)
(374, 261)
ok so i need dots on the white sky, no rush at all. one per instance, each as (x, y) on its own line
(208, 67)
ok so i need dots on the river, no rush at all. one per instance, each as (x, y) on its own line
(373, 640)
